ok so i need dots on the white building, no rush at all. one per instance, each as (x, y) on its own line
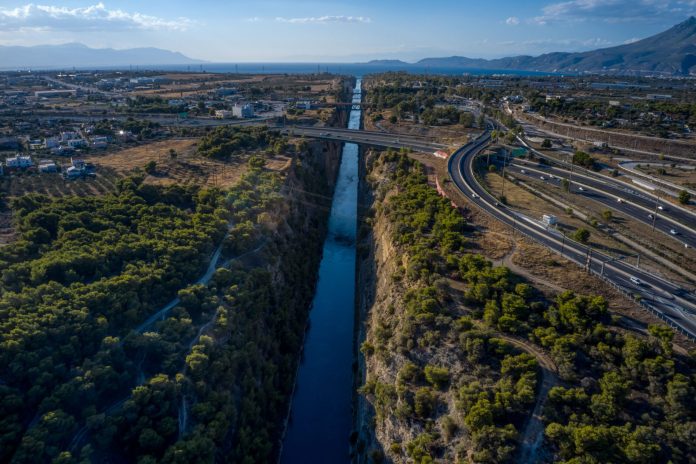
(51, 142)
(55, 93)
(658, 97)
(549, 220)
(77, 143)
(73, 172)
(46, 166)
(69, 135)
(19, 161)
(243, 111)
(223, 114)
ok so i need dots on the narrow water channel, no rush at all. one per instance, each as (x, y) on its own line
(320, 417)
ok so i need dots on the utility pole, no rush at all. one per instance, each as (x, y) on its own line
(657, 204)
(588, 262)
(505, 161)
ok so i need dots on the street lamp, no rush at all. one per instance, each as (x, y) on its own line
(505, 161)
(570, 179)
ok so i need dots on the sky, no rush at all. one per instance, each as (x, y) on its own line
(339, 30)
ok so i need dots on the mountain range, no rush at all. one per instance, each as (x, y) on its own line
(672, 52)
(80, 56)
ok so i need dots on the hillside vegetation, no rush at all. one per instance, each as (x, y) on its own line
(86, 376)
(453, 343)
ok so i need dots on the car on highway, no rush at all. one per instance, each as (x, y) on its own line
(474, 195)
(650, 216)
(636, 280)
(523, 171)
(542, 177)
(661, 208)
(581, 189)
(673, 232)
(620, 200)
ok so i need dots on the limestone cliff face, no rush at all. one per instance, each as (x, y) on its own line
(432, 375)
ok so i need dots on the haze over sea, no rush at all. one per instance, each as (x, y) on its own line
(355, 69)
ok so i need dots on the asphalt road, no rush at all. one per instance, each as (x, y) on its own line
(673, 304)
(633, 204)
(162, 119)
(366, 137)
(635, 200)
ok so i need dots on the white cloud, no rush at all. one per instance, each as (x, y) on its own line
(552, 45)
(80, 18)
(325, 19)
(512, 21)
(615, 11)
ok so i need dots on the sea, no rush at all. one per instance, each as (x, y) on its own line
(353, 69)
(350, 69)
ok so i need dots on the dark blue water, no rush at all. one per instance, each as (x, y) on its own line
(352, 69)
(321, 419)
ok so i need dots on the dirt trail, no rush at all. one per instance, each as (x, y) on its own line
(532, 435)
(507, 262)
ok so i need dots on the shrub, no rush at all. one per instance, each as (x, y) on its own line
(436, 376)
(582, 235)
(684, 197)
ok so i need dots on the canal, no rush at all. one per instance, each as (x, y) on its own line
(320, 414)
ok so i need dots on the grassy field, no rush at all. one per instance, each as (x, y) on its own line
(455, 135)
(186, 168)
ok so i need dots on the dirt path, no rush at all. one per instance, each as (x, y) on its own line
(532, 435)
(507, 262)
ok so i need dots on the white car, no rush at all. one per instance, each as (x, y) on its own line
(581, 189)
(673, 232)
(636, 280)
(474, 195)
(651, 216)
(542, 177)
(523, 171)
(661, 208)
(619, 200)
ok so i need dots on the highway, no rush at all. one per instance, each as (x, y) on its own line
(531, 128)
(673, 304)
(632, 204)
(676, 217)
(366, 138)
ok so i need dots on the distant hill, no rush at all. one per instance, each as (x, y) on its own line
(387, 63)
(672, 52)
(80, 56)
